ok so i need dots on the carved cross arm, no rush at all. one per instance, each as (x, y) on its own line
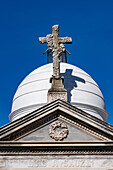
(42, 40)
(65, 40)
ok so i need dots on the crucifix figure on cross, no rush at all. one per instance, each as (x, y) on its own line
(55, 44)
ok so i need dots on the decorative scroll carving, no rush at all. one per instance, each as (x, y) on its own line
(58, 131)
(54, 96)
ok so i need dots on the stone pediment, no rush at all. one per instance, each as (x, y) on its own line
(61, 130)
(57, 121)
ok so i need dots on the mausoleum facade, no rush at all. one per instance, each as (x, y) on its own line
(58, 119)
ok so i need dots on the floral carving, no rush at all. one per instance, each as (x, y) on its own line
(58, 131)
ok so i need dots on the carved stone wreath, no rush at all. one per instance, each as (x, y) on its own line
(58, 131)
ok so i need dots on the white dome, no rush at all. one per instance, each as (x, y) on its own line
(82, 90)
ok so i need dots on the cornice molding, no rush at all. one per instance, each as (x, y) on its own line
(82, 127)
(57, 148)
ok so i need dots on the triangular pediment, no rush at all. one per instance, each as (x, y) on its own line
(61, 130)
(42, 125)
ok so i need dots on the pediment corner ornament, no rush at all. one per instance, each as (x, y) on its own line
(58, 130)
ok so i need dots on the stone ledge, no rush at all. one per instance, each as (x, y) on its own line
(57, 148)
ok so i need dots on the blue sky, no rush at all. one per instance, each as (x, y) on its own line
(88, 22)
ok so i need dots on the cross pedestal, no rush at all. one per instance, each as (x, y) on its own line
(57, 91)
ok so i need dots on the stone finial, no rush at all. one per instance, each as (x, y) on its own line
(55, 44)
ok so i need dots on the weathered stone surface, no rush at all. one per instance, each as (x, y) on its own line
(57, 155)
(74, 134)
(57, 91)
(57, 162)
(57, 95)
(58, 130)
(57, 48)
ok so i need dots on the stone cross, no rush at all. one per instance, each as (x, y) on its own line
(55, 44)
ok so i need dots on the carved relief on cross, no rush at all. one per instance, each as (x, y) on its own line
(55, 44)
